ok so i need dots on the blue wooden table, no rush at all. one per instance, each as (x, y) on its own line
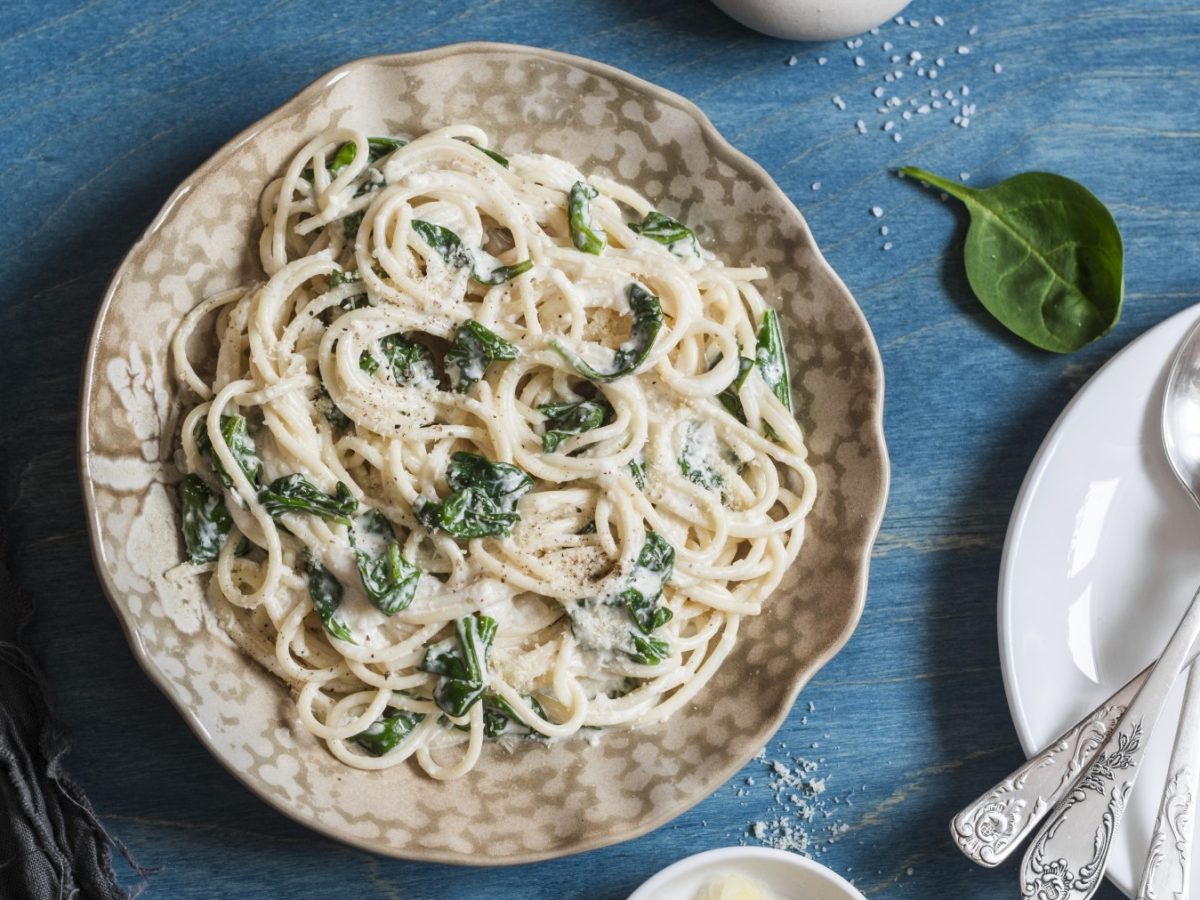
(107, 105)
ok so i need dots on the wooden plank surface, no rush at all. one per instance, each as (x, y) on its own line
(108, 105)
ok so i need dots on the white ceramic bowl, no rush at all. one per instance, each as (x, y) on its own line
(811, 20)
(790, 876)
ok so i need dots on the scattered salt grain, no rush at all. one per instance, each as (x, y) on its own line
(941, 61)
(889, 125)
(963, 49)
(906, 115)
(883, 230)
(887, 46)
(861, 126)
(923, 109)
(899, 20)
(859, 61)
(896, 57)
(974, 30)
(821, 60)
(792, 61)
(896, 137)
(909, 871)
(997, 68)
(915, 57)
(939, 21)
(887, 245)
(933, 73)
(878, 92)
(964, 176)
(965, 91)
(936, 104)
(816, 185)
(839, 102)
(913, 23)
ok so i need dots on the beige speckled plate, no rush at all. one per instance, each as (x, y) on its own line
(540, 801)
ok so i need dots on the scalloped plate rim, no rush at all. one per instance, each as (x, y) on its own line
(873, 381)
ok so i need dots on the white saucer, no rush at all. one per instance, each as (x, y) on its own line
(789, 875)
(1101, 559)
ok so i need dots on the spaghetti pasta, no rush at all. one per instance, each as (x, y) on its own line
(483, 457)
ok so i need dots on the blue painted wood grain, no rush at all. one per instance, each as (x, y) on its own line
(107, 105)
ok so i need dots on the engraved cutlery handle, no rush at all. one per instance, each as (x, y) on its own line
(1169, 861)
(1066, 860)
(992, 827)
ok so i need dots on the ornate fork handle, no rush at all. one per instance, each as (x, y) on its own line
(989, 829)
(1066, 860)
(1168, 862)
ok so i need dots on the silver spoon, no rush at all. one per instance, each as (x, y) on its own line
(1066, 860)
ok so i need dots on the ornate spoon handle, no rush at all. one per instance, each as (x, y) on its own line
(992, 827)
(1169, 863)
(1066, 860)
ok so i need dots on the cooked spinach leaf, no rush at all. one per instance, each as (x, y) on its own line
(647, 322)
(499, 274)
(450, 247)
(447, 244)
(771, 358)
(650, 574)
(696, 458)
(675, 236)
(731, 397)
(206, 521)
(349, 276)
(325, 405)
(564, 420)
(1043, 255)
(637, 469)
(388, 731)
(409, 362)
(638, 598)
(473, 349)
(351, 224)
(585, 235)
(493, 154)
(377, 149)
(462, 664)
(388, 578)
(237, 437)
(295, 493)
(326, 593)
(482, 501)
(500, 718)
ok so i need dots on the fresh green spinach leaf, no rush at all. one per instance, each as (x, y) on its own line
(206, 521)
(388, 731)
(675, 236)
(473, 349)
(585, 235)
(237, 437)
(647, 322)
(1043, 255)
(349, 276)
(637, 469)
(326, 593)
(483, 498)
(650, 574)
(564, 420)
(295, 493)
(389, 580)
(462, 664)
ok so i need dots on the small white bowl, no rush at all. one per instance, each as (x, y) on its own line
(811, 20)
(790, 876)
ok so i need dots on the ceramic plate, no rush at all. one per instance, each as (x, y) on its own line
(1101, 560)
(789, 876)
(542, 801)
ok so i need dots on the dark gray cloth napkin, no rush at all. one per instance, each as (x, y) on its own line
(52, 847)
